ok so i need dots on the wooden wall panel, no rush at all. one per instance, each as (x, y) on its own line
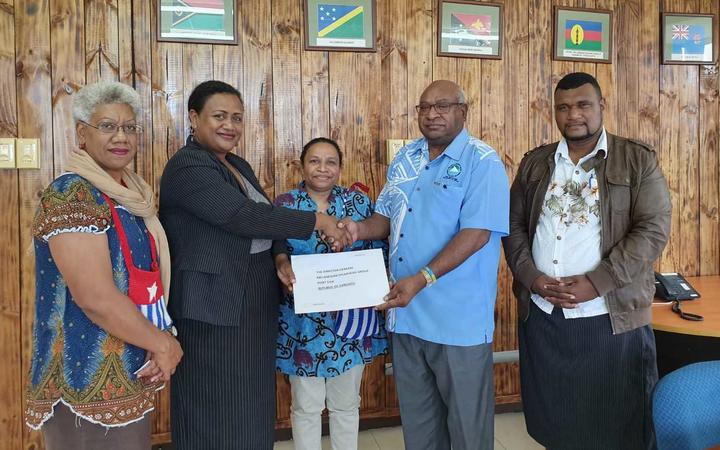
(34, 105)
(102, 40)
(136, 71)
(287, 82)
(10, 330)
(68, 74)
(50, 48)
(709, 158)
(257, 89)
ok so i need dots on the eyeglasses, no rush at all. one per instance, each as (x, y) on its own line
(112, 128)
(440, 108)
(687, 316)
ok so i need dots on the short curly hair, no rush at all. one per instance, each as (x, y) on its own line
(93, 95)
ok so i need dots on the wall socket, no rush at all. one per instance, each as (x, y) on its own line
(27, 153)
(7, 153)
(392, 147)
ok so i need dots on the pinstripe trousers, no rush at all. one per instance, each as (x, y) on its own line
(223, 392)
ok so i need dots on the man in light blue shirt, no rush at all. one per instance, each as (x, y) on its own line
(445, 207)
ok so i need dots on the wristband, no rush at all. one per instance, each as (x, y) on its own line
(429, 276)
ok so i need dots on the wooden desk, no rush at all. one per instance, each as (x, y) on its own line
(708, 306)
(681, 342)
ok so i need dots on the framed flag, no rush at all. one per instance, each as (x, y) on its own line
(469, 29)
(688, 38)
(582, 35)
(340, 25)
(199, 21)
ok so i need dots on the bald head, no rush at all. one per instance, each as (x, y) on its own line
(441, 113)
(448, 87)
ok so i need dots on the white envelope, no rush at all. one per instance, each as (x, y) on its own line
(336, 281)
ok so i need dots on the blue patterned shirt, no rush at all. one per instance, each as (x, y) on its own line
(74, 360)
(428, 203)
(307, 344)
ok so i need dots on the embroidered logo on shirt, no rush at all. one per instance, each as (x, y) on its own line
(454, 170)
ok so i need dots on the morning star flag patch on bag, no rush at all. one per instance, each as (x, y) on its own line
(341, 24)
(357, 323)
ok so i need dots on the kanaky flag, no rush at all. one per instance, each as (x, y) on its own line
(583, 35)
(472, 23)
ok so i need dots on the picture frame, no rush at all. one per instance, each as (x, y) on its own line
(688, 38)
(340, 25)
(581, 34)
(197, 21)
(468, 29)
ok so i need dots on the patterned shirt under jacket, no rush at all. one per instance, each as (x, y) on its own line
(307, 344)
(74, 360)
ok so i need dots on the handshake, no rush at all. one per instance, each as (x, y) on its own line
(338, 234)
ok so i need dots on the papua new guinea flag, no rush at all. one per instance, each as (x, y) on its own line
(471, 23)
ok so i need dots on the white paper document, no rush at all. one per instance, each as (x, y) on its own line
(335, 281)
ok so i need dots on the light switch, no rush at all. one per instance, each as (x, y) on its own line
(7, 153)
(28, 153)
(393, 146)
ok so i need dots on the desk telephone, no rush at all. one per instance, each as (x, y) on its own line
(673, 286)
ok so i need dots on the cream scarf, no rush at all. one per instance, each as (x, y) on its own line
(137, 197)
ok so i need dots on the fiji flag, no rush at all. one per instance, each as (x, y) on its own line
(688, 39)
(583, 35)
(340, 21)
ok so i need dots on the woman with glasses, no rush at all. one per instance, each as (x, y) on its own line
(221, 227)
(102, 335)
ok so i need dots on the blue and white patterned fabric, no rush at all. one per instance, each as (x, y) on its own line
(428, 203)
(308, 344)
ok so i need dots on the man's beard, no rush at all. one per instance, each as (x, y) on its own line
(584, 137)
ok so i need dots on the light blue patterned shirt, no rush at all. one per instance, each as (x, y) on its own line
(428, 203)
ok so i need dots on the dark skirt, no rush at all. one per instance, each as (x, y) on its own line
(223, 392)
(67, 431)
(583, 387)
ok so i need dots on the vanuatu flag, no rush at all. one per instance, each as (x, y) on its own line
(340, 21)
(583, 35)
(470, 23)
(195, 14)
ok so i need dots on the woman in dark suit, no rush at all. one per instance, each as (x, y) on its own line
(223, 233)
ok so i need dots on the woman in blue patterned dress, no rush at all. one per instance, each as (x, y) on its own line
(100, 343)
(324, 362)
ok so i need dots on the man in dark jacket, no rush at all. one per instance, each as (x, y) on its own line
(588, 217)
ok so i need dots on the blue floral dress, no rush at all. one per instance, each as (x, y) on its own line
(307, 344)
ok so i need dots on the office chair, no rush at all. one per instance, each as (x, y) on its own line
(686, 408)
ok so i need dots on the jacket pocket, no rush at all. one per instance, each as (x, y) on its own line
(619, 193)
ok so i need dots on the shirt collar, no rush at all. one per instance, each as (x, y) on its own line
(600, 150)
(453, 151)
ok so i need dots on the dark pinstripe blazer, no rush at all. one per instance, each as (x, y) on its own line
(210, 224)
